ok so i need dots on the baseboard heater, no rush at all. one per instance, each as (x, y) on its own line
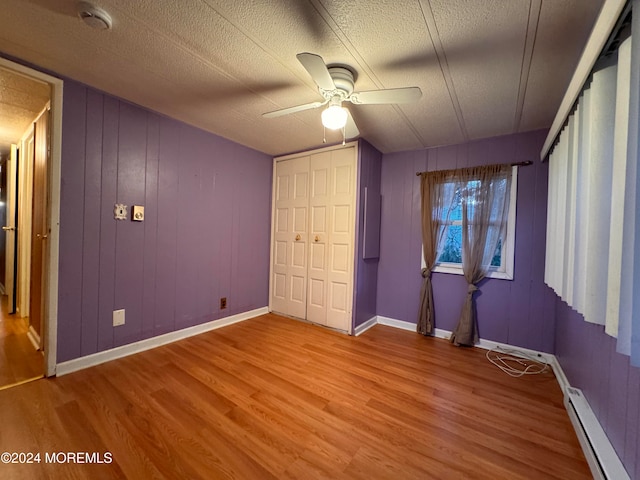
(602, 458)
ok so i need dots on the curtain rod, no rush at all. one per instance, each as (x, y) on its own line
(600, 33)
(516, 164)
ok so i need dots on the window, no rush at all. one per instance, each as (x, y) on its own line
(450, 258)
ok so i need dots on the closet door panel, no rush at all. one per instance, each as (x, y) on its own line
(341, 238)
(319, 172)
(289, 282)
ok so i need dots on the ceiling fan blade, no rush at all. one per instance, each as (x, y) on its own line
(297, 108)
(350, 129)
(390, 95)
(314, 64)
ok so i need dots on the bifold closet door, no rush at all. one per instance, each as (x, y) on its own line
(341, 241)
(314, 235)
(289, 283)
(319, 192)
(331, 237)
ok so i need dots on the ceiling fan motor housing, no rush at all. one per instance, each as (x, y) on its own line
(343, 80)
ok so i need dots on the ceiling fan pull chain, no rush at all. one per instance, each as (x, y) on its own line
(344, 135)
(324, 134)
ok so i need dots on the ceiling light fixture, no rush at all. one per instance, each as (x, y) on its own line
(94, 17)
(335, 116)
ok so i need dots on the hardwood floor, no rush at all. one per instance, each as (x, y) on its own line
(276, 398)
(19, 360)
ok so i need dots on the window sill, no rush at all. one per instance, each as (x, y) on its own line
(458, 271)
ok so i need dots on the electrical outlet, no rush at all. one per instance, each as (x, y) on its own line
(118, 317)
(223, 303)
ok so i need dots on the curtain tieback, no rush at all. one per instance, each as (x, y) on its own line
(472, 288)
(426, 272)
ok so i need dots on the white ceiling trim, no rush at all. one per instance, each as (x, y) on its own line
(432, 28)
(527, 56)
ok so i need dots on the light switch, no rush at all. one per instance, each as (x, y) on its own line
(120, 211)
(137, 213)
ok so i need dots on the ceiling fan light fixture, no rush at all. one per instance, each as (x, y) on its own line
(334, 117)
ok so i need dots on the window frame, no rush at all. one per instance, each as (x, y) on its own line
(505, 271)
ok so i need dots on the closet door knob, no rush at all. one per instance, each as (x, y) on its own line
(297, 237)
(317, 239)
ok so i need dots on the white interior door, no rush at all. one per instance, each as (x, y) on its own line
(341, 241)
(289, 283)
(25, 205)
(319, 191)
(10, 229)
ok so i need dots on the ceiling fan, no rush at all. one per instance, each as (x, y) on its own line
(336, 85)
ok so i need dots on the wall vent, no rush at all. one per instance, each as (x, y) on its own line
(602, 458)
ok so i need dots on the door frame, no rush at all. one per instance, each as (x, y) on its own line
(340, 146)
(50, 273)
(11, 221)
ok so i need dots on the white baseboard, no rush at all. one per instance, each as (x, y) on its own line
(363, 327)
(560, 376)
(392, 322)
(33, 337)
(149, 343)
(491, 345)
(446, 334)
(600, 454)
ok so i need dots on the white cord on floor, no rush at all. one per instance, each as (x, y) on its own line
(515, 362)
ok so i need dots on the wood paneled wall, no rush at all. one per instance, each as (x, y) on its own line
(370, 166)
(205, 234)
(611, 385)
(518, 312)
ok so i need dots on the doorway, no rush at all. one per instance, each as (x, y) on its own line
(30, 144)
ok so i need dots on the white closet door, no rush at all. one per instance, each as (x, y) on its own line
(341, 238)
(319, 203)
(289, 283)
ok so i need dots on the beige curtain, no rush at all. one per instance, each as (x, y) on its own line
(437, 190)
(485, 206)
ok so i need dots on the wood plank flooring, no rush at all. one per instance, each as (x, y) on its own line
(19, 360)
(276, 398)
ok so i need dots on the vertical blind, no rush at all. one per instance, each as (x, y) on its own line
(592, 203)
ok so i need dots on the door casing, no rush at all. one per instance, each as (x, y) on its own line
(331, 277)
(10, 245)
(51, 260)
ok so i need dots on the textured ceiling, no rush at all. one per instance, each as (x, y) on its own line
(486, 68)
(21, 100)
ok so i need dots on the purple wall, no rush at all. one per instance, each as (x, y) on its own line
(518, 312)
(205, 234)
(370, 161)
(589, 359)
